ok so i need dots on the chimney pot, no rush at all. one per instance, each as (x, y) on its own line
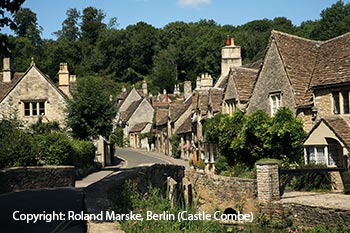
(7, 69)
(228, 41)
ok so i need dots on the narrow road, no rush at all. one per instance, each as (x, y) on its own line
(134, 158)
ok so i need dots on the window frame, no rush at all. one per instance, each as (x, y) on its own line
(275, 99)
(34, 108)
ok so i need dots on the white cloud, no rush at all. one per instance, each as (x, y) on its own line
(193, 3)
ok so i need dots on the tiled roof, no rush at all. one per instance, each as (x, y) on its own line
(161, 116)
(299, 57)
(244, 80)
(186, 126)
(176, 110)
(125, 115)
(138, 127)
(216, 96)
(6, 87)
(333, 64)
(340, 126)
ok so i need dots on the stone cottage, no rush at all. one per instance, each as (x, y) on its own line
(32, 94)
(312, 79)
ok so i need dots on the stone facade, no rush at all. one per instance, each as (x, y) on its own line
(32, 88)
(23, 178)
(268, 182)
(272, 79)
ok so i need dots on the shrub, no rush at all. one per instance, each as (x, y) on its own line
(117, 137)
(200, 164)
(175, 146)
(54, 149)
(221, 164)
(84, 153)
(16, 146)
(312, 180)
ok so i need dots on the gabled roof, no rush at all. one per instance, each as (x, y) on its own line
(161, 116)
(244, 80)
(7, 87)
(299, 57)
(125, 115)
(215, 101)
(185, 127)
(333, 63)
(339, 125)
(138, 127)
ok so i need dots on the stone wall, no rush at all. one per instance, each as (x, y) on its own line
(24, 178)
(311, 216)
(211, 192)
(99, 196)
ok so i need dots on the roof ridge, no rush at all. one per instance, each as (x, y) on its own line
(336, 38)
(295, 36)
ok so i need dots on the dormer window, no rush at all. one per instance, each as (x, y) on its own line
(340, 102)
(34, 108)
(275, 102)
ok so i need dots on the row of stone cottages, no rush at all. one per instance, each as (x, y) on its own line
(32, 94)
(312, 78)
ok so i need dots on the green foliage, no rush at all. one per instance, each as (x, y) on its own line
(41, 127)
(91, 111)
(15, 146)
(83, 153)
(54, 149)
(117, 137)
(312, 180)
(128, 198)
(151, 137)
(247, 138)
(175, 146)
(221, 164)
(200, 164)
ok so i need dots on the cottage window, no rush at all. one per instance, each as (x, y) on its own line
(336, 103)
(345, 95)
(328, 155)
(275, 102)
(34, 108)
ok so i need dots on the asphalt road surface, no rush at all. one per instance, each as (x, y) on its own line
(134, 158)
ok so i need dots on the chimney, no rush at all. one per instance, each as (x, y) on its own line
(206, 81)
(144, 88)
(177, 90)
(198, 83)
(187, 89)
(7, 70)
(230, 56)
(123, 89)
(63, 79)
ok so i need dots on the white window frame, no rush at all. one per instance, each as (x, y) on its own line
(326, 158)
(275, 102)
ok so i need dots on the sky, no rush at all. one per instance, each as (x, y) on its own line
(51, 13)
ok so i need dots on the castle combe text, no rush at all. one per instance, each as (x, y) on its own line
(113, 216)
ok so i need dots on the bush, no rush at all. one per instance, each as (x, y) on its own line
(221, 164)
(84, 153)
(200, 164)
(312, 180)
(117, 137)
(175, 146)
(16, 146)
(54, 149)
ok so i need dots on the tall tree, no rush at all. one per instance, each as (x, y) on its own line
(70, 26)
(27, 26)
(92, 110)
(7, 9)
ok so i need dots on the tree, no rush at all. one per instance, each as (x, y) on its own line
(27, 26)
(334, 22)
(92, 110)
(7, 9)
(70, 26)
(165, 69)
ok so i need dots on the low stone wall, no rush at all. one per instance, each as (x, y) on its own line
(99, 196)
(212, 192)
(24, 178)
(311, 216)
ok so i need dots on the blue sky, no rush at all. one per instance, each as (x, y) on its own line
(51, 13)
